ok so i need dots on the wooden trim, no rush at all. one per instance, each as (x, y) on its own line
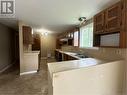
(123, 33)
(78, 37)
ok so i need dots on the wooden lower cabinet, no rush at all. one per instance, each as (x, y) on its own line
(71, 58)
(58, 56)
(68, 57)
(63, 57)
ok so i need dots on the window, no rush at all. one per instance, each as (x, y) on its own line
(86, 36)
(76, 38)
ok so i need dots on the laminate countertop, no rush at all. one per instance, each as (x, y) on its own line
(31, 52)
(71, 65)
(70, 54)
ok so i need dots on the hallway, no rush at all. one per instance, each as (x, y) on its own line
(34, 84)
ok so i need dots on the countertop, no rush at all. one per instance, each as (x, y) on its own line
(71, 65)
(31, 52)
(70, 54)
(75, 64)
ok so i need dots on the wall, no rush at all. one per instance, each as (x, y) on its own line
(6, 46)
(22, 48)
(48, 45)
(28, 59)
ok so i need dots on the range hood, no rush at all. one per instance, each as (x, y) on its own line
(65, 39)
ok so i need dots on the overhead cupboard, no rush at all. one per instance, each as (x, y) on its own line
(27, 35)
(64, 39)
(109, 27)
(70, 38)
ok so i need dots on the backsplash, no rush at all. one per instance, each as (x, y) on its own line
(102, 53)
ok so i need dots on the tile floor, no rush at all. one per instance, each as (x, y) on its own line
(34, 84)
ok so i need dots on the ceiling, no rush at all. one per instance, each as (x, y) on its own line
(55, 15)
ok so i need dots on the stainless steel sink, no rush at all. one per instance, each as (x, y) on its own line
(81, 56)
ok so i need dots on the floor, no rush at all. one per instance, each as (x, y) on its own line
(34, 84)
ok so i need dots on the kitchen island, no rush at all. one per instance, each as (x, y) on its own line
(87, 76)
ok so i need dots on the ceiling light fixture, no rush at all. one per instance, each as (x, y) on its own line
(44, 32)
(82, 21)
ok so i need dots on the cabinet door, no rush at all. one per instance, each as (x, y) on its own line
(113, 18)
(99, 22)
(65, 57)
(27, 35)
(36, 42)
(71, 58)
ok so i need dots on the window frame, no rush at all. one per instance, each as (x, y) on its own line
(77, 30)
(80, 36)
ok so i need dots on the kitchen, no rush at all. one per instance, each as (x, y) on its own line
(103, 50)
(86, 57)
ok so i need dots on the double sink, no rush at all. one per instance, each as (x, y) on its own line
(81, 55)
(76, 55)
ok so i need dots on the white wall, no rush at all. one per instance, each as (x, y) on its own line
(21, 46)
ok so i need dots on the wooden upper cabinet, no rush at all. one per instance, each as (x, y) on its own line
(113, 18)
(99, 22)
(27, 35)
(36, 42)
(109, 20)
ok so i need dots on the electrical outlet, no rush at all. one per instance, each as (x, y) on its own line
(118, 52)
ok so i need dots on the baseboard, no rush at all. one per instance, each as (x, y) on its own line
(25, 73)
(7, 67)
